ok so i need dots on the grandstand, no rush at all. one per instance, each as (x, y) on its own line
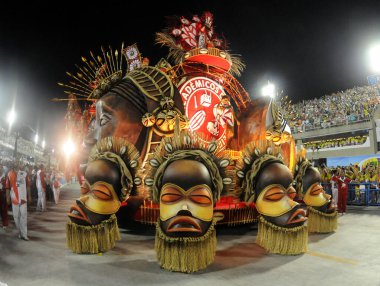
(346, 123)
(27, 151)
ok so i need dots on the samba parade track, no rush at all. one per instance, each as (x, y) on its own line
(350, 256)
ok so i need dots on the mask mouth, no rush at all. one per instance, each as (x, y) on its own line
(298, 216)
(77, 213)
(327, 208)
(184, 224)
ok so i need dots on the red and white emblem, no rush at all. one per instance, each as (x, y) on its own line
(201, 97)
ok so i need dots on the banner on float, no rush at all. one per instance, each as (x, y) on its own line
(362, 161)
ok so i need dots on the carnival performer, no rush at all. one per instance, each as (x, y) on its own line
(56, 186)
(3, 198)
(19, 185)
(342, 182)
(41, 189)
(334, 189)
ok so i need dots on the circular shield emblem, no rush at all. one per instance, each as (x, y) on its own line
(201, 97)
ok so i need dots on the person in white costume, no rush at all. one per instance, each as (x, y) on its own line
(41, 189)
(19, 195)
(56, 186)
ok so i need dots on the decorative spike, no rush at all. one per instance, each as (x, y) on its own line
(121, 56)
(212, 147)
(133, 163)
(117, 59)
(154, 163)
(227, 181)
(112, 60)
(168, 147)
(123, 149)
(257, 151)
(240, 174)
(105, 60)
(187, 140)
(224, 163)
(269, 151)
(247, 160)
(109, 143)
(149, 182)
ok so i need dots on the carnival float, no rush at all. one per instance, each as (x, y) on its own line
(183, 146)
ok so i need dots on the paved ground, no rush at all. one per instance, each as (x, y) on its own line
(351, 256)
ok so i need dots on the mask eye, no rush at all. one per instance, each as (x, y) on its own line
(170, 198)
(171, 195)
(201, 196)
(316, 190)
(274, 194)
(102, 192)
(84, 189)
(104, 119)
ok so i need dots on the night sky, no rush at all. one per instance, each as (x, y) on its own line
(307, 48)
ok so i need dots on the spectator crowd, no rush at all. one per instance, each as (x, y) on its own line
(344, 107)
(334, 143)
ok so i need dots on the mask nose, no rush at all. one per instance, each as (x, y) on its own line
(185, 207)
(292, 203)
(83, 199)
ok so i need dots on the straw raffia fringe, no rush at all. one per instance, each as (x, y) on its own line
(92, 239)
(185, 254)
(282, 240)
(321, 222)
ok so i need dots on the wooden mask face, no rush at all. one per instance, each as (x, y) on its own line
(99, 194)
(186, 199)
(313, 193)
(275, 194)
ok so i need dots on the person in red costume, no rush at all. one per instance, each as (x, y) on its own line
(342, 182)
(3, 197)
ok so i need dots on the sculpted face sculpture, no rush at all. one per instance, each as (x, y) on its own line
(321, 211)
(110, 177)
(99, 194)
(314, 194)
(275, 196)
(186, 179)
(186, 200)
(267, 182)
(117, 115)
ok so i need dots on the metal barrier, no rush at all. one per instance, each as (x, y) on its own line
(363, 194)
(360, 194)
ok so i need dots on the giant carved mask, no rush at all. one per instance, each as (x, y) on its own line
(267, 182)
(186, 199)
(186, 179)
(321, 211)
(109, 179)
(275, 196)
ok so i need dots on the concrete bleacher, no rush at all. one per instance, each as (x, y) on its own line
(370, 127)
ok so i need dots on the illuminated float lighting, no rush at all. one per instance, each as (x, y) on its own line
(36, 138)
(68, 147)
(269, 90)
(11, 117)
(374, 58)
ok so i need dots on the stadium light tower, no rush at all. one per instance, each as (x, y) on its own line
(269, 90)
(11, 117)
(374, 58)
(68, 147)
